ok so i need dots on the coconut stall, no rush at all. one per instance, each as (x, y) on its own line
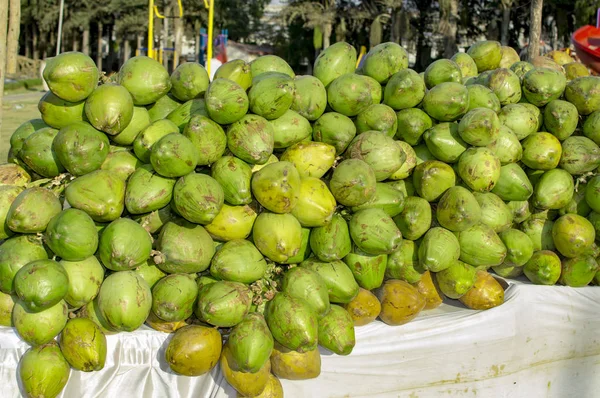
(370, 231)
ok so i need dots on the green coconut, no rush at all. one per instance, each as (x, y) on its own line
(182, 115)
(311, 159)
(121, 164)
(412, 123)
(379, 151)
(519, 248)
(315, 205)
(446, 102)
(306, 284)
(198, 198)
(101, 194)
(174, 297)
(251, 139)
(71, 76)
(580, 155)
(520, 119)
(238, 260)
(38, 154)
(494, 212)
(432, 178)
(467, 66)
(8, 194)
(441, 71)
(481, 246)
(310, 97)
(109, 108)
(334, 61)
(479, 168)
(271, 94)
(543, 85)
(331, 241)
(505, 84)
(341, 284)
(482, 97)
(415, 218)
(226, 101)
(174, 155)
(270, 63)
(32, 210)
(236, 70)
(584, 94)
(145, 78)
(41, 284)
(486, 54)
(43, 371)
(404, 90)
(139, 121)
(578, 271)
(353, 182)
(83, 344)
(384, 60)
(188, 81)
(72, 235)
(223, 303)
(349, 94)
(277, 236)
(124, 244)
(458, 209)
(125, 300)
(208, 138)
(553, 190)
(573, 235)
(184, 248)
(444, 142)
(59, 113)
(543, 268)
(85, 278)
(39, 328)
(541, 151)
(507, 147)
(251, 343)
(334, 129)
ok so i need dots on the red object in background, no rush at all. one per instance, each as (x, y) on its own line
(222, 56)
(587, 45)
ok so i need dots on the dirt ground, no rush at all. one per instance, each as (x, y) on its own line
(16, 109)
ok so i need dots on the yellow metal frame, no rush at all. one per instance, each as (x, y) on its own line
(152, 11)
(210, 4)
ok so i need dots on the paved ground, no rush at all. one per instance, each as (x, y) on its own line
(16, 109)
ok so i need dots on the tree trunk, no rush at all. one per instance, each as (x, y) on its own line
(27, 41)
(111, 49)
(450, 47)
(126, 49)
(139, 44)
(3, 33)
(99, 47)
(75, 41)
(396, 24)
(535, 28)
(326, 35)
(197, 40)
(505, 25)
(85, 46)
(178, 28)
(12, 40)
(34, 39)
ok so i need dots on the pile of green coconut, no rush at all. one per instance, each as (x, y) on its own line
(263, 215)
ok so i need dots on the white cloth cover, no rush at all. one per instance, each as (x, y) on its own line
(543, 342)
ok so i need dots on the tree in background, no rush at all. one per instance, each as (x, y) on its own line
(12, 39)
